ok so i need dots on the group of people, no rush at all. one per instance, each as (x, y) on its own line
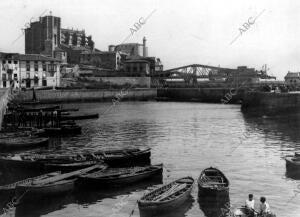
(264, 207)
(37, 119)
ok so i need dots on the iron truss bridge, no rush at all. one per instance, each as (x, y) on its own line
(191, 73)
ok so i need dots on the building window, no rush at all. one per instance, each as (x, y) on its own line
(15, 76)
(28, 75)
(27, 66)
(3, 61)
(15, 62)
(4, 83)
(52, 69)
(44, 82)
(55, 39)
(44, 67)
(9, 61)
(36, 80)
(134, 69)
(36, 67)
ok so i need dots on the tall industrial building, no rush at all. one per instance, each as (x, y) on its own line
(43, 36)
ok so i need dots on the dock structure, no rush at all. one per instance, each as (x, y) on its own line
(5, 97)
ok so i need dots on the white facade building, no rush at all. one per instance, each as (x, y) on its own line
(28, 70)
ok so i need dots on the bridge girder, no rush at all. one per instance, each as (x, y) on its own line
(192, 71)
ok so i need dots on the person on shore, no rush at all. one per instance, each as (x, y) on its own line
(264, 208)
(250, 205)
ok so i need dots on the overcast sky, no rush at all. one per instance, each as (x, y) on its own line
(180, 32)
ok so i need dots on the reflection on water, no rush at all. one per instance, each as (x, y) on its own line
(187, 138)
(214, 206)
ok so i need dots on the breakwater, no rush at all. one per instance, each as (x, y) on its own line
(271, 103)
(214, 95)
(85, 95)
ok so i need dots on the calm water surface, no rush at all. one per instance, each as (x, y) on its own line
(187, 138)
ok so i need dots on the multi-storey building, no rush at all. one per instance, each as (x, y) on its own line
(46, 37)
(43, 36)
(131, 49)
(28, 70)
(292, 78)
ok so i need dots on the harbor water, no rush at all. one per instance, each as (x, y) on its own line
(186, 138)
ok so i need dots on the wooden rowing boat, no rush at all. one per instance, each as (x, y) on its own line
(58, 184)
(167, 197)
(22, 142)
(119, 176)
(67, 167)
(125, 157)
(293, 162)
(37, 108)
(63, 130)
(68, 162)
(8, 191)
(212, 182)
(117, 158)
(33, 162)
(11, 187)
(79, 116)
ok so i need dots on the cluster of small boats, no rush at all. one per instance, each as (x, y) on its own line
(30, 126)
(101, 170)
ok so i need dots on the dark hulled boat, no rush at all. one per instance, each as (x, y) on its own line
(213, 182)
(8, 191)
(22, 142)
(126, 157)
(63, 130)
(293, 162)
(79, 116)
(167, 197)
(68, 162)
(119, 176)
(58, 184)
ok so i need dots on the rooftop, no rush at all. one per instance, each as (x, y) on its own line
(27, 57)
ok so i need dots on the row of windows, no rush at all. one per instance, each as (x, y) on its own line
(51, 67)
(9, 61)
(9, 76)
(291, 81)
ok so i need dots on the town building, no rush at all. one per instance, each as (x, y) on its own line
(28, 70)
(292, 78)
(46, 37)
(243, 74)
(43, 36)
(137, 68)
(131, 49)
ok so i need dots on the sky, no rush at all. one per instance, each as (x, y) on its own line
(179, 32)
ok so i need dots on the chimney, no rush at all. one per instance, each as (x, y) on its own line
(145, 50)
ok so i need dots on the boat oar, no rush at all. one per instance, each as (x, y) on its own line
(65, 176)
